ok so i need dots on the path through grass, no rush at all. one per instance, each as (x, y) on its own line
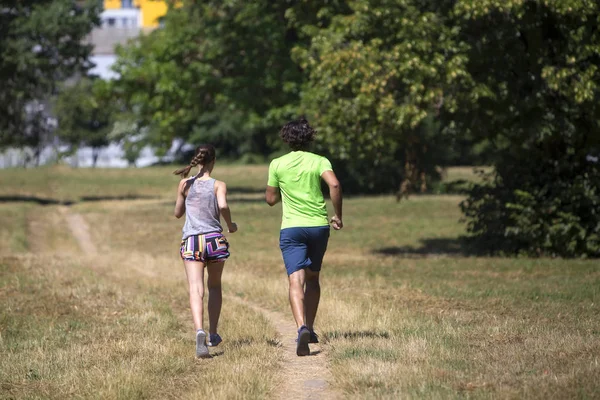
(404, 313)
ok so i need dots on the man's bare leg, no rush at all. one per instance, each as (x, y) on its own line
(312, 295)
(296, 281)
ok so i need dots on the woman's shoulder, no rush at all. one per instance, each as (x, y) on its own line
(185, 185)
(183, 181)
(219, 183)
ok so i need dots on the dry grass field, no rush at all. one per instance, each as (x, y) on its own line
(404, 313)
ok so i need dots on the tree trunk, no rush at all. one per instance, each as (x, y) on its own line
(37, 155)
(95, 154)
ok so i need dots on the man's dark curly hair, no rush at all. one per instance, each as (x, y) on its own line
(297, 134)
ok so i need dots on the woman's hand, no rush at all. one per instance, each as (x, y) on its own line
(232, 228)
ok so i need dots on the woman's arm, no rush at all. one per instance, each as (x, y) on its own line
(180, 203)
(221, 192)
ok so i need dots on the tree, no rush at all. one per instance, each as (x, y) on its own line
(85, 115)
(130, 136)
(376, 80)
(535, 69)
(38, 129)
(395, 81)
(41, 44)
(216, 70)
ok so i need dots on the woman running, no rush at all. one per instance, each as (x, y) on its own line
(203, 200)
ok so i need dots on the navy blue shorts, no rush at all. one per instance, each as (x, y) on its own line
(303, 247)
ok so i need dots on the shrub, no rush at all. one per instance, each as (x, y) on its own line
(537, 205)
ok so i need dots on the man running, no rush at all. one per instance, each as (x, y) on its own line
(295, 180)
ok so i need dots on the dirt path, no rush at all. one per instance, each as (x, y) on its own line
(303, 377)
(80, 229)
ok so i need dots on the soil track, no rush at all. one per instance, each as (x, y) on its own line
(302, 377)
(80, 229)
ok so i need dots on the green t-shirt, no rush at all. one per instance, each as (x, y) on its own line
(298, 177)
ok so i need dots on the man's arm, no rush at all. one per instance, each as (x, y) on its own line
(335, 192)
(272, 195)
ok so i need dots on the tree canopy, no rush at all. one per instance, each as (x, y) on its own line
(41, 43)
(377, 79)
(395, 88)
(85, 115)
(534, 75)
(220, 71)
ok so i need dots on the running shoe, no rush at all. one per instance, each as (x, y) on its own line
(214, 340)
(201, 349)
(302, 341)
(314, 338)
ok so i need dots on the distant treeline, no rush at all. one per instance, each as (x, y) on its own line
(396, 89)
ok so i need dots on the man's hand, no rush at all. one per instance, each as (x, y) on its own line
(272, 195)
(336, 222)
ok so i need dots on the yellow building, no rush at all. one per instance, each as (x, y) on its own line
(150, 11)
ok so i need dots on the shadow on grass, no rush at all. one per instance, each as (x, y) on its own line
(236, 199)
(239, 194)
(34, 199)
(245, 190)
(241, 342)
(233, 191)
(120, 197)
(431, 247)
(356, 335)
(216, 354)
(46, 202)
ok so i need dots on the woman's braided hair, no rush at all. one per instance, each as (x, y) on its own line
(205, 154)
(297, 134)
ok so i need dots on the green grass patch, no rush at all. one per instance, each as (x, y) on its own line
(66, 331)
(13, 228)
(404, 312)
(62, 184)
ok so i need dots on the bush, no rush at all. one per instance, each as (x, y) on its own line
(251, 158)
(536, 205)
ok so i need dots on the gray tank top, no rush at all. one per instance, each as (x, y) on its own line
(202, 213)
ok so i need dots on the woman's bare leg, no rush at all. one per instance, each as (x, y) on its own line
(215, 296)
(194, 271)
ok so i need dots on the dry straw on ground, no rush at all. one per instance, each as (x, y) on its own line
(404, 313)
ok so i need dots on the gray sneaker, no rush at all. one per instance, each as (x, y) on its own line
(201, 349)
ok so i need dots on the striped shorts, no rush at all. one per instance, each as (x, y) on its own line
(210, 247)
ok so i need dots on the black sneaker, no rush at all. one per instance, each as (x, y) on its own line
(302, 341)
(314, 338)
(214, 339)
